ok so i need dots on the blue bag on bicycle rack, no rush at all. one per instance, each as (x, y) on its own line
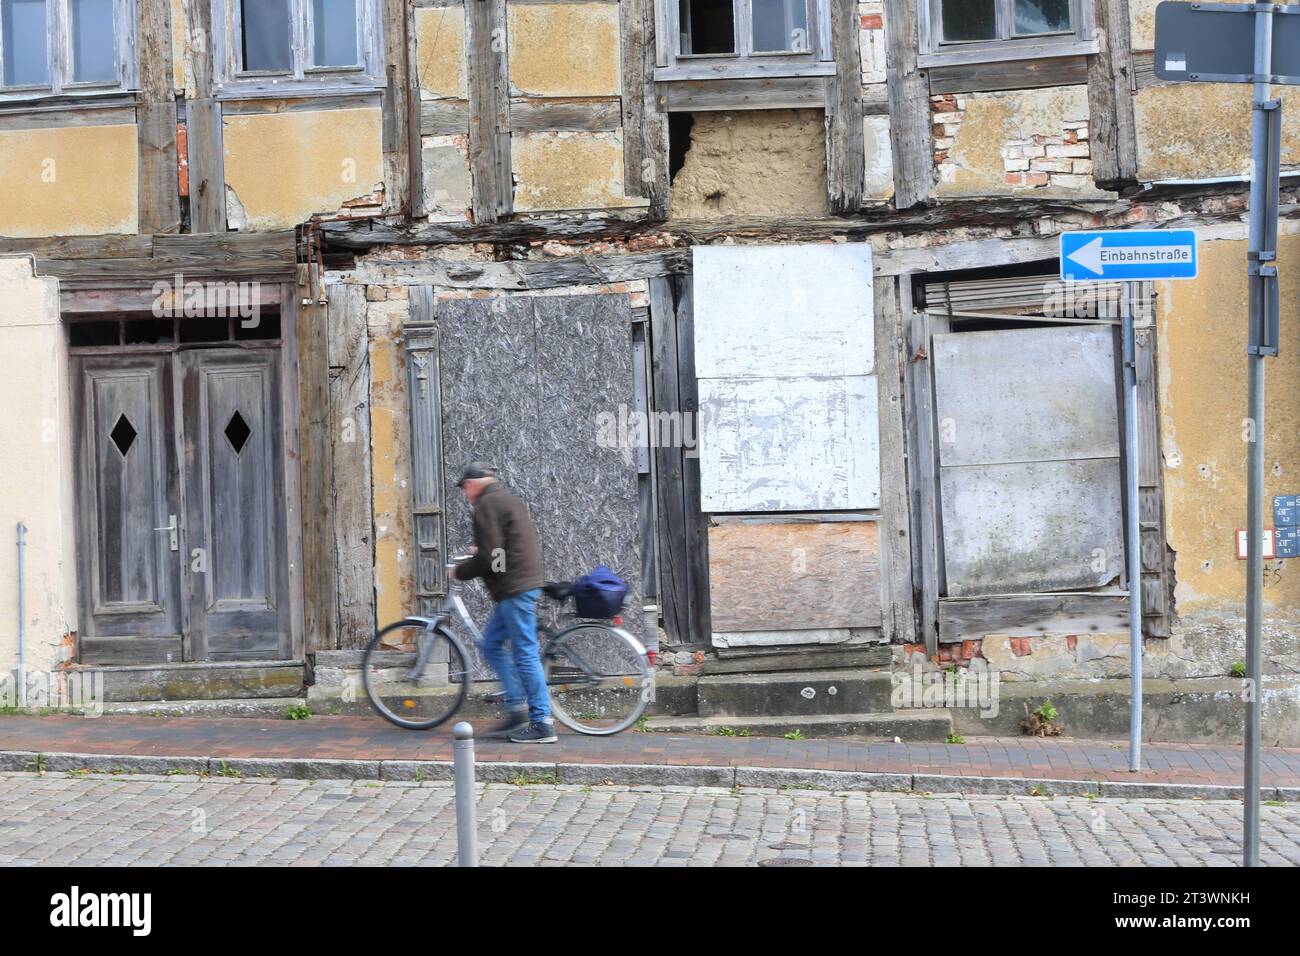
(599, 594)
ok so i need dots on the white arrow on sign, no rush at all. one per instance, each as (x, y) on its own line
(1090, 256)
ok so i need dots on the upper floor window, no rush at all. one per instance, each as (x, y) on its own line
(974, 31)
(304, 44)
(65, 46)
(705, 39)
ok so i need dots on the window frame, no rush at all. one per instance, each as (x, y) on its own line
(743, 63)
(59, 56)
(303, 77)
(934, 51)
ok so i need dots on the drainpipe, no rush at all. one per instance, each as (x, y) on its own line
(22, 620)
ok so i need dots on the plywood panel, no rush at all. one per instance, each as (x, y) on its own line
(1036, 526)
(789, 444)
(798, 576)
(589, 507)
(1031, 395)
(783, 310)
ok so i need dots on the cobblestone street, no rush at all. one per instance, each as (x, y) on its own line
(151, 820)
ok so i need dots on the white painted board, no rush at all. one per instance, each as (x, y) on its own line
(791, 310)
(789, 444)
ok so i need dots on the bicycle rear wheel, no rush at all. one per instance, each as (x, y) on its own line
(599, 678)
(415, 677)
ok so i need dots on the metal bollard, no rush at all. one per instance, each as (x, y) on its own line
(466, 806)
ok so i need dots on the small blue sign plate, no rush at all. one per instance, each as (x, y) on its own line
(1285, 542)
(1128, 256)
(1284, 510)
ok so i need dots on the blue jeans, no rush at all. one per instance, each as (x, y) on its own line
(514, 622)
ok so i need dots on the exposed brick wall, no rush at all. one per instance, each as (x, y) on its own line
(961, 654)
(947, 110)
(1063, 161)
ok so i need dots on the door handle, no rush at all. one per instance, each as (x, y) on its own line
(175, 534)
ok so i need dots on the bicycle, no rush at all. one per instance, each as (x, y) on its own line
(417, 673)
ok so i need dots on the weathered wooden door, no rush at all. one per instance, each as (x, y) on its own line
(129, 557)
(182, 537)
(236, 585)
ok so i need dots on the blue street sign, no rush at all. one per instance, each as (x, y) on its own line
(1285, 543)
(1121, 255)
(1284, 510)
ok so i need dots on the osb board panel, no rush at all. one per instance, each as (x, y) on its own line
(78, 180)
(564, 49)
(795, 576)
(789, 444)
(284, 167)
(1176, 142)
(440, 51)
(535, 418)
(569, 170)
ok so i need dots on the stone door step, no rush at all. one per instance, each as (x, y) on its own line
(263, 707)
(202, 680)
(795, 694)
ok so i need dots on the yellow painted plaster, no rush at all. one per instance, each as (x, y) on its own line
(71, 181)
(1199, 131)
(1202, 329)
(285, 167)
(440, 51)
(564, 49)
(568, 171)
(390, 461)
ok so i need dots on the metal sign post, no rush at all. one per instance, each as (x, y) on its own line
(1215, 42)
(1130, 256)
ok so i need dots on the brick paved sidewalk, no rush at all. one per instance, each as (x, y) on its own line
(372, 740)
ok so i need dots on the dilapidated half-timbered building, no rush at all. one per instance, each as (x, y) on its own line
(753, 300)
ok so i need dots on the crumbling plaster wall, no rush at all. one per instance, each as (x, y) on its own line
(1196, 131)
(753, 163)
(1020, 142)
(442, 75)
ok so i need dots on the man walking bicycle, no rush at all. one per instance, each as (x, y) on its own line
(508, 558)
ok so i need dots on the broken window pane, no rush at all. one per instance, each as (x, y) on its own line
(1042, 16)
(334, 27)
(93, 57)
(708, 26)
(970, 20)
(22, 27)
(780, 26)
(266, 35)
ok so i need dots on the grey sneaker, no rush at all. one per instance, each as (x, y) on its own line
(536, 733)
(513, 724)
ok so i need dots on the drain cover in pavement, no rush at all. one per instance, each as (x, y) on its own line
(786, 861)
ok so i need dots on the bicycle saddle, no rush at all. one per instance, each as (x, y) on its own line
(558, 590)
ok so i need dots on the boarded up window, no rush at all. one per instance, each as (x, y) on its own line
(785, 357)
(1029, 466)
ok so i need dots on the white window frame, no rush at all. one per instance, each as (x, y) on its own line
(302, 77)
(934, 51)
(58, 56)
(672, 64)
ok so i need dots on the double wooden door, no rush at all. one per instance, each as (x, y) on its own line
(182, 538)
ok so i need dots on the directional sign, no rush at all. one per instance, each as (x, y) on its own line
(1121, 255)
(1215, 43)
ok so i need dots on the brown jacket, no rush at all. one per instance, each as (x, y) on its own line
(509, 559)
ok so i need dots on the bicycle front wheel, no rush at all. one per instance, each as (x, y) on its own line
(414, 676)
(599, 678)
